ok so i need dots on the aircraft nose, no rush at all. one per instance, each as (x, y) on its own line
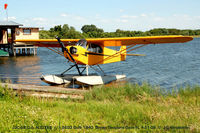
(73, 50)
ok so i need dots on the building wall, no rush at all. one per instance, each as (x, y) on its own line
(34, 33)
(21, 34)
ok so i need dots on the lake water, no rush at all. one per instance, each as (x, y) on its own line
(167, 65)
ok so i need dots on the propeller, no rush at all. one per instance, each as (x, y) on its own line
(66, 50)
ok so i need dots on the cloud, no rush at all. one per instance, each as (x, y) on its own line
(158, 19)
(37, 22)
(64, 14)
(73, 17)
(121, 10)
(79, 18)
(12, 18)
(143, 15)
(122, 20)
(128, 16)
(39, 19)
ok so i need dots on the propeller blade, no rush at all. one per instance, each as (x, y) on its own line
(61, 44)
(65, 49)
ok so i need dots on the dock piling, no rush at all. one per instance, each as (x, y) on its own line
(24, 50)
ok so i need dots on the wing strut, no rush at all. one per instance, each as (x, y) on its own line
(66, 50)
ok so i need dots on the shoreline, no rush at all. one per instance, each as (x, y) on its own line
(126, 108)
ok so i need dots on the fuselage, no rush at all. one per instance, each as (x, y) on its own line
(93, 54)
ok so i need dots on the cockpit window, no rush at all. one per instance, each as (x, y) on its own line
(82, 43)
(95, 48)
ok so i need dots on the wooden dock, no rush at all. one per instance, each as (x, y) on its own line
(19, 50)
(24, 50)
(46, 91)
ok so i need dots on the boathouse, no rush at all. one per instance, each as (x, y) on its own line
(27, 33)
(9, 31)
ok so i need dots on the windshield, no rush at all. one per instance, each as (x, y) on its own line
(82, 43)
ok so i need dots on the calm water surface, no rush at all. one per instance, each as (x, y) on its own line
(167, 65)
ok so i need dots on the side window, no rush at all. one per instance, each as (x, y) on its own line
(27, 31)
(95, 48)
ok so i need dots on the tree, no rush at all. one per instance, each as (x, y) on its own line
(159, 31)
(174, 32)
(91, 31)
(43, 34)
(65, 28)
(91, 28)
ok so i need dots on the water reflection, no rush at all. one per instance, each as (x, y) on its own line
(23, 69)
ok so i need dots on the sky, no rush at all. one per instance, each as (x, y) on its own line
(109, 15)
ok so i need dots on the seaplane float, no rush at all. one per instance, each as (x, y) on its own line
(87, 53)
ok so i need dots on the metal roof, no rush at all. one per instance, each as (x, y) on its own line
(9, 23)
(26, 27)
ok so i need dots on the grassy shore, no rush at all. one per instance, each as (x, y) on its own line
(127, 108)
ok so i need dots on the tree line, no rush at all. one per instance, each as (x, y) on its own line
(91, 31)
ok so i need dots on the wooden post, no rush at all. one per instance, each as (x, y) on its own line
(14, 52)
(35, 50)
(23, 51)
(12, 35)
(19, 50)
(12, 40)
(28, 51)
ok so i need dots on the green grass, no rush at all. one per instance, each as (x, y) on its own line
(140, 108)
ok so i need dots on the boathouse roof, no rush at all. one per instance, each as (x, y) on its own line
(9, 24)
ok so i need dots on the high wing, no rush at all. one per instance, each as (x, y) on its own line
(48, 42)
(124, 41)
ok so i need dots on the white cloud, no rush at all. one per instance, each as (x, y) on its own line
(12, 18)
(73, 17)
(121, 10)
(98, 19)
(128, 16)
(37, 22)
(122, 20)
(40, 19)
(158, 19)
(143, 15)
(79, 18)
(64, 15)
(104, 20)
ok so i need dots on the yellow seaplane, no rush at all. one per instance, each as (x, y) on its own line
(86, 53)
